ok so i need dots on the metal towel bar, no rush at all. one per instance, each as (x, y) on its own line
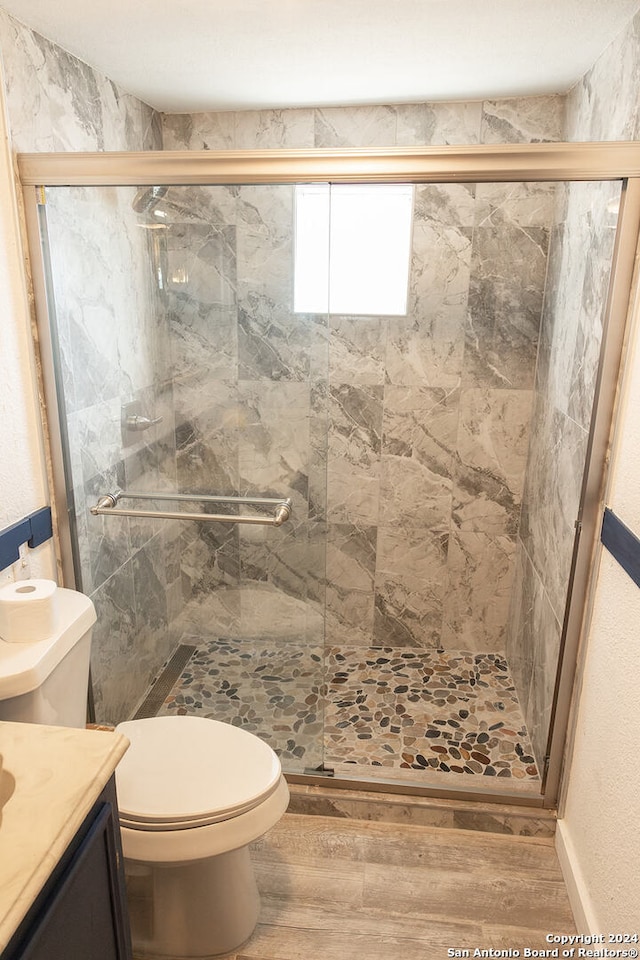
(107, 505)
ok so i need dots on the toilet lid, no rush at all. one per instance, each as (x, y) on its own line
(182, 772)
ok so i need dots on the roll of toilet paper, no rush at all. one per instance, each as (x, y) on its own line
(28, 610)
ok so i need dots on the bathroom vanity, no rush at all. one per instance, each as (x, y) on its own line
(61, 879)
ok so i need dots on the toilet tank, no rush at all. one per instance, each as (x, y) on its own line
(46, 681)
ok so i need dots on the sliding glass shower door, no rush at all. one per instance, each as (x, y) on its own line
(394, 384)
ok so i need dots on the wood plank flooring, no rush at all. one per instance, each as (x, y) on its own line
(337, 889)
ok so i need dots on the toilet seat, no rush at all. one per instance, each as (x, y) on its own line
(171, 847)
(185, 772)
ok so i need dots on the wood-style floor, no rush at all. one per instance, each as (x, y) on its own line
(340, 889)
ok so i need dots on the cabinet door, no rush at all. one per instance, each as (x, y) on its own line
(82, 915)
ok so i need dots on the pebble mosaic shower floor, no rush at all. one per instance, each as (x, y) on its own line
(403, 710)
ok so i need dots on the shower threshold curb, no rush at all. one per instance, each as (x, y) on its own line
(462, 814)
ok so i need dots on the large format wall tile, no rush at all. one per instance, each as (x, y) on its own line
(410, 579)
(207, 436)
(515, 204)
(273, 440)
(355, 127)
(505, 302)
(421, 423)
(552, 498)
(350, 573)
(198, 131)
(357, 349)
(533, 648)
(353, 467)
(439, 279)
(493, 436)
(116, 689)
(480, 572)
(274, 129)
(448, 204)
(437, 123)
(522, 120)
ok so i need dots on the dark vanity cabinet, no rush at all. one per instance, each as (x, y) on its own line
(81, 913)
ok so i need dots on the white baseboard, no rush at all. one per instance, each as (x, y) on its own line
(579, 899)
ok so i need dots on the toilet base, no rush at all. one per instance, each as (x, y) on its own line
(194, 910)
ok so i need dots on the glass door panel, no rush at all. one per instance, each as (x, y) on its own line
(183, 369)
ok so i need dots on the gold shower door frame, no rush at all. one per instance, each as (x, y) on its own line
(551, 162)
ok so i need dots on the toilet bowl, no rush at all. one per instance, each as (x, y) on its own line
(193, 794)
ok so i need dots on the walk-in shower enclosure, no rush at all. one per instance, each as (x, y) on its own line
(360, 527)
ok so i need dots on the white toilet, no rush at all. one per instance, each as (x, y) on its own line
(193, 794)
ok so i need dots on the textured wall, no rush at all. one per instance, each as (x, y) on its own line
(601, 814)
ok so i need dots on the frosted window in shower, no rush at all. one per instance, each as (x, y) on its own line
(353, 248)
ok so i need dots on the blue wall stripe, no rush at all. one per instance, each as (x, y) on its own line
(33, 530)
(622, 544)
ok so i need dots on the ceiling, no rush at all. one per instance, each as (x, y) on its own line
(197, 55)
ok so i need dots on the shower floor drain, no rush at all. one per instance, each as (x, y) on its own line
(164, 683)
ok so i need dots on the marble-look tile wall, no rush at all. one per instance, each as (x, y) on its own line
(579, 267)
(427, 416)
(109, 324)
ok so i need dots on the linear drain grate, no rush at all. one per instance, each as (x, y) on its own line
(162, 687)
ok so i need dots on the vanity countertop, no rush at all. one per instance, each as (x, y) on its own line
(51, 778)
